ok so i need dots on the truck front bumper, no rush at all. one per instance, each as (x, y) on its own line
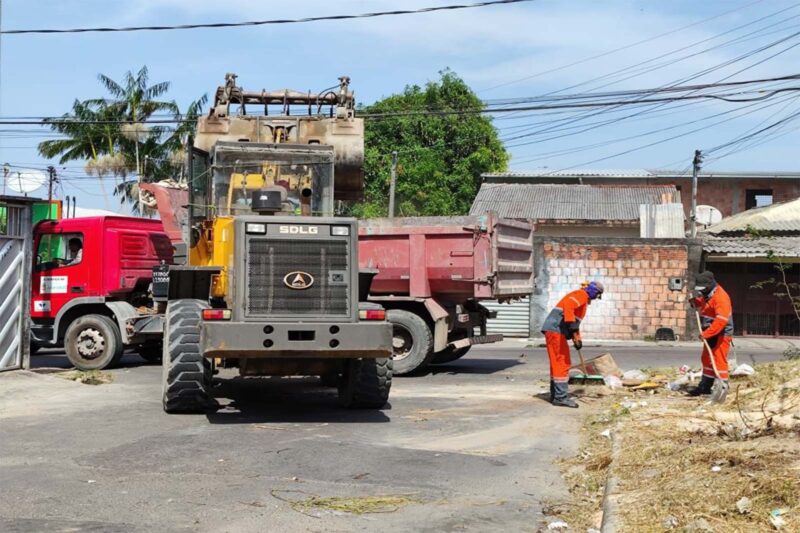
(311, 340)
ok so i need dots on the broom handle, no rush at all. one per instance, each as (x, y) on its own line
(710, 353)
(583, 363)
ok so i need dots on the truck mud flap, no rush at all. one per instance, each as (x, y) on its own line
(479, 339)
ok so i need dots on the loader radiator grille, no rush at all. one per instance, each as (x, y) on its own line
(270, 261)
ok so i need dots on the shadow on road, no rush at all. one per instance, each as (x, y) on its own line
(57, 359)
(285, 400)
(474, 366)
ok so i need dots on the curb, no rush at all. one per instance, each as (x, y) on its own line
(610, 523)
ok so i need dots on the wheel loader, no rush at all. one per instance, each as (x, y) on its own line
(271, 283)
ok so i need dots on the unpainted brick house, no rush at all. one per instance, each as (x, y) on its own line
(593, 232)
(748, 253)
(730, 192)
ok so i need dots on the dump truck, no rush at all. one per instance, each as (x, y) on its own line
(91, 288)
(271, 281)
(431, 273)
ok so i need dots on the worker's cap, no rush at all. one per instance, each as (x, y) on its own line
(599, 285)
(705, 279)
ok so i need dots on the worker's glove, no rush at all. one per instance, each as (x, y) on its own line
(577, 342)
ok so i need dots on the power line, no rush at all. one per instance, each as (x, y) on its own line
(376, 14)
(626, 47)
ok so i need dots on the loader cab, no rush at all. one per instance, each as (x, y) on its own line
(223, 182)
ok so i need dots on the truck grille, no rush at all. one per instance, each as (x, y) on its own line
(270, 261)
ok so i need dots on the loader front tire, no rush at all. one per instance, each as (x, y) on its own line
(365, 383)
(186, 373)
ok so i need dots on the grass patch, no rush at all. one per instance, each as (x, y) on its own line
(358, 505)
(88, 377)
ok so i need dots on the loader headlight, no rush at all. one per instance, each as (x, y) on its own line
(340, 231)
(259, 229)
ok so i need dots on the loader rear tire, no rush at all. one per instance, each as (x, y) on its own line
(365, 383)
(412, 340)
(186, 373)
(93, 342)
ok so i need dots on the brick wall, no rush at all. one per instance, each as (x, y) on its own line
(637, 300)
(726, 194)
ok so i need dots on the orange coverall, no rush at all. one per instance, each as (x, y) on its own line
(572, 307)
(717, 315)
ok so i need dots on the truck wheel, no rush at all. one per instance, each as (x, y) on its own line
(93, 342)
(365, 383)
(186, 375)
(449, 354)
(412, 341)
(151, 352)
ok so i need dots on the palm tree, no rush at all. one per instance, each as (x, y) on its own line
(112, 134)
(90, 133)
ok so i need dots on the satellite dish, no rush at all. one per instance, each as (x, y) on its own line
(25, 181)
(708, 215)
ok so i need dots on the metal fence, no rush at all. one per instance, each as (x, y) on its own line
(15, 264)
(12, 296)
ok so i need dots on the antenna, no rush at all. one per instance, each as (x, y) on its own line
(25, 181)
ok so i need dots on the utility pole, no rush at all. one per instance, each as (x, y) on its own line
(698, 158)
(392, 184)
(52, 179)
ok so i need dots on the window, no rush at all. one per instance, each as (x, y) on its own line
(59, 250)
(758, 198)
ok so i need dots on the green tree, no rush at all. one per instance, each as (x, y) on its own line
(440, 156)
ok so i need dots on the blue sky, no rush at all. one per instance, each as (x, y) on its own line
(43, 74)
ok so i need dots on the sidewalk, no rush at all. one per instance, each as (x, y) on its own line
(744, 343)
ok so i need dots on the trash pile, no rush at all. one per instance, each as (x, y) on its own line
(685, 463)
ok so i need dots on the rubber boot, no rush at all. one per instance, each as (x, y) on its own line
(560, 397)
(703, 388)
(552, 390)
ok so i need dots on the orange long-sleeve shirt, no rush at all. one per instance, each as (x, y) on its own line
(574, 305)
(719, 309)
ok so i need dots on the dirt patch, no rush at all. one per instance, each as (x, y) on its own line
(682, 461)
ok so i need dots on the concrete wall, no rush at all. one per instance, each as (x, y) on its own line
(635, 273)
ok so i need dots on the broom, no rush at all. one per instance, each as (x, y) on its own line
(583, 378)
(719, 391)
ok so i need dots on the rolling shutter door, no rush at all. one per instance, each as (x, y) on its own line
(513, 320)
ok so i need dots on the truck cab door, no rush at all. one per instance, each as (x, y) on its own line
(60, 274)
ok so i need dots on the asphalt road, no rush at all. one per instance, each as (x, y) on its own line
(471, 445)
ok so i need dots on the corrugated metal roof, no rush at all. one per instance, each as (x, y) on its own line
(777, 217)
(569, 202)
(636, 173)
(752, 247)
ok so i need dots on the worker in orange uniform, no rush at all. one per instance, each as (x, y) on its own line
(563, 324)
(716, 316)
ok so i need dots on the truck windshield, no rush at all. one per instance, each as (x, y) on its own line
(239, 170)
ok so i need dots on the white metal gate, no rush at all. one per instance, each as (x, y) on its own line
(12, 301)
(513, 319)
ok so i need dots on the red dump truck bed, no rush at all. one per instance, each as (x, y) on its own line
(450, 258)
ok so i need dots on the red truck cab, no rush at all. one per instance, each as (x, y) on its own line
(91, 277)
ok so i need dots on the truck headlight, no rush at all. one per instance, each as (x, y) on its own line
(252, 227)
(340, 231)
